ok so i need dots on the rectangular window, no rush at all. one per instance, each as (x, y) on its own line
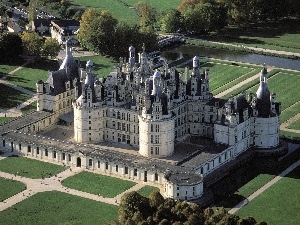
(117, 168)
(64, 156)
(151, 130)
(54, 154)
(98, 164)
(135, 172)
(69, 157)
(151, 150)
(126, 170)
(151, 137)
(37, 150)
(90, 162)
(157, 128)
(156, 139)
(156, 177)
(157, 150)
(46, 152)
(106, 165)
(29, 148)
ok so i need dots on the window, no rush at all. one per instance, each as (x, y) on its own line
(156, 150)
(64, 156)
(69, 157)
(20, 147)
(98, 164)
(156, 177)
(151, 150)
(126, 170)
(157, 128)
(29, 148)
(106, 165)
(151, 130)
(156, 139)
(46, 152)
(54, 154)
(151, 137)
(117, 168)
(90, 162)
(135, 172)
(37, 150)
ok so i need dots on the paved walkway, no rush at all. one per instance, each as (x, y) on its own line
(54, 184)
(263, 188)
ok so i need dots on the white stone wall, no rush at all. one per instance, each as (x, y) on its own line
(183, 192)
(156, 137)
(265, 132)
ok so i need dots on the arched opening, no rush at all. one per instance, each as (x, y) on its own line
(78, 164)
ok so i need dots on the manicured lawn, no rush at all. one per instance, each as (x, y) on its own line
(28, 76)
(289, 134)
(102, 65)
(116, 8)
(11, 97)
(9, 188)
(4, 119)
(146, 190)
(295, 125)
(279, 204)
(31, 107)
(5, 69)
(58, 208)
(289, 113)
(97, 184)
(158, 5)
(29, 167)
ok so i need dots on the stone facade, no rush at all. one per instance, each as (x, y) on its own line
(154, 111)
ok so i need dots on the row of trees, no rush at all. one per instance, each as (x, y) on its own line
(198, 16)
(13, 45)
(135, 209)
(102, 33)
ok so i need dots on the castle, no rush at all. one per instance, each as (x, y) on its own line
(181, 132)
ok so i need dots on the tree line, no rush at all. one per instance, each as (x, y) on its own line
(13, 45)
(135, 209)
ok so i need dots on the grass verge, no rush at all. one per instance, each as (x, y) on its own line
(9, 188)
(97, 184)
(30, 168)
(146, 190)
(58, 208)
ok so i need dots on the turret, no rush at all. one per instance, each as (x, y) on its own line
(263, 96)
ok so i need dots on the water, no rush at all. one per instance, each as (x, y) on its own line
(191, 51)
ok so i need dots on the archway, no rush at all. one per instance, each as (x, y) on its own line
(78, 162)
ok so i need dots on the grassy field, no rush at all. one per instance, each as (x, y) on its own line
(58, 208)
(5, 69)
(279, 204)
(9, 188)
(295, 125)
(11, 97)
(28, 76)
(4, 119)
(102, 65)
(31, 107)
(29, 167)
(97, 184)
(146, 190)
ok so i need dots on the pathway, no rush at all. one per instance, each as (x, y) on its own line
(54, 184)
(16, 111)
(240, 84)
(263, 188)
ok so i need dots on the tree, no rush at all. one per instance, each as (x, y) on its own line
(171, 21)
(155, 199)
(97, 29)
(132, 203)
(50, 48)
(32, 43)
(10, 47)
(185, 4)
(147, 14)
(31, 10)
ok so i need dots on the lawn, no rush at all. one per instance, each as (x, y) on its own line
(146, 190)
(58, 208)
(31, 107)
(295, 125)
(102, 65)
(5, 69)
(11, 97)
(29, 75)
(279, 204)
(9, 188)
(116, 8)
(97, 184)
(4, 119)
(29, 167)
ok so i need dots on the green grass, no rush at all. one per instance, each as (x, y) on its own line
(295, 125)
(159, 6)
(31, 107)
(4, 119)
(102, 65)
(279, 204)
(289, 134)
(11, 97)
(118, 10)
(58, 208)
(9, 188)
(98, 184)
(29, 75)
(146, 190)
(289, 113)
(29, 167)
(5, 69)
